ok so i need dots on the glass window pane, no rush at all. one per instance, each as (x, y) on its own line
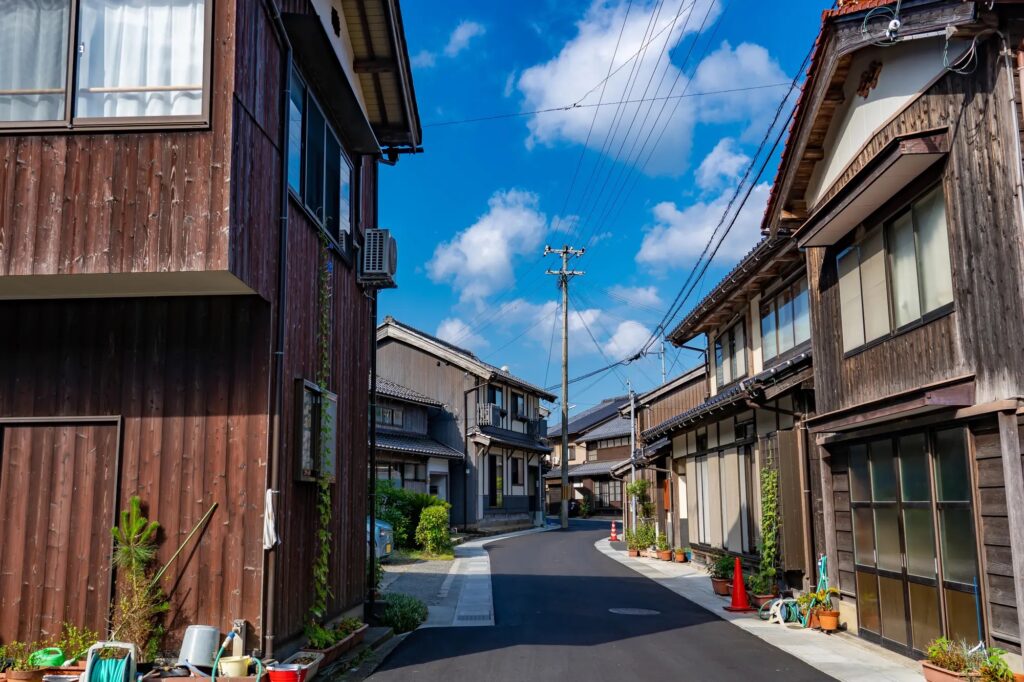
(33, 59)
(345, 196)
(141, 58)
(919, 535)
(785, 301)
(313, 185)
(867, 602)
(883, 471)
(768, 347)
(332, 185)
(860, 486)
(894, 611)
(906, 301)
(296, 107)
(914, 478)
(801, 314)
(926, 622)
(739, 352)
(962, 616)
(959, 560)
(887, 539)
(953, 479)
(872, 275)
(863, 536)
(850, 300)
(720, 361)
(933, 244)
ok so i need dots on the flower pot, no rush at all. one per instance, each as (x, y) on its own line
(308, 661)
(680, 558)
(829, 620)
(721, 586)
(234, 666)
(933, 673)
(25, 675)
(689, 556)
(665, 554)
(634, 552)
(759, 600)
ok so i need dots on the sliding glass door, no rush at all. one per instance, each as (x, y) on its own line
(915, 552)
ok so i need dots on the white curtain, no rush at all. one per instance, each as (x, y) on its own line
(33, 59)
(936, 275)
(850, 308)
(874, 291)
(140, 58)
(907, 302)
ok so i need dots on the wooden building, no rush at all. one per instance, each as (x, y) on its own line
(170, 238)
(493, 417)
(900, 182)
(599, 448)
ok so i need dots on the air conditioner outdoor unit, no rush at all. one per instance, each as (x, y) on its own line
(380, 259)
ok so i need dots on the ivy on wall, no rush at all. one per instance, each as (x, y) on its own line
(769, 518)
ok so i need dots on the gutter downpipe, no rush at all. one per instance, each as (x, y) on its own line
(371, 484)
(269, 591)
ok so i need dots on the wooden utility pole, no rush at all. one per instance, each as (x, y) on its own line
(564, 275)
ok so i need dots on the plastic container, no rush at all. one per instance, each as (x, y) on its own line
(309, 660)
(234, 666)
(51, 657)
(60, 678)
(286, 672)
(199, 646)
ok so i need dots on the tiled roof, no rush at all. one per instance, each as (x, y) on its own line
(414, 444)
(595, 415)
(736, 392)
(586, 469)
(513, 439)
(390, 389)
(613, 428)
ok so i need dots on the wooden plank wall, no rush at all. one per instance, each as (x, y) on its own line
(985, 247)
(682, 399)
(102, 203)
(189, 376)
(995, 538)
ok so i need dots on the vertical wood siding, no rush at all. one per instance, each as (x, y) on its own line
(189, 378)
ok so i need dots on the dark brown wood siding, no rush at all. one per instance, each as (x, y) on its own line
(684, 398)
(981, 336)
(189, 379)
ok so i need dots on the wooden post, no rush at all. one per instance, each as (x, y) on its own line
(1013, 480)
(828, 504)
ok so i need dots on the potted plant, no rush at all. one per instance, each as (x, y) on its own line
(805, 602)
(689, 553)
(21, 667)
(331, 642)
(828, 615)
(721, 574)
(645, 537)
(948, 660)
(632, 546)
(679, 554)
(995, 668)
(763, 588)
(75, 643)
(664, 549)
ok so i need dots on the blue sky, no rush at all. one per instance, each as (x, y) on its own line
(473, 213)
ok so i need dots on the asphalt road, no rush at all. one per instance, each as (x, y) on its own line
(552, 595)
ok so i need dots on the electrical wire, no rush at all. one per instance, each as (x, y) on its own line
(597, 345)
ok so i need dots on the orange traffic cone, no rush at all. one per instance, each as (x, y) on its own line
(739, 591)
(614, 537)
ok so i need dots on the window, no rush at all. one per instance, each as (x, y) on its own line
(496, 396)
(703, 503)
(730, 355)
(785, 320)
(572, 453)
(518, 405)
(591, 451)
(517, 471)
(389, 416)
(146, 59)
(747, 482)
(317, 415)
(615, 492)
(612, 442)
(897, 275)
(319, 170)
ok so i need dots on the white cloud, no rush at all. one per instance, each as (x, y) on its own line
(747, 66)
(641, 296)
(722, 165)
(454, 330)
(424, 59)
(679, 235)
(460, 37)
(583, 62)
(510, 85)
(478, 261)
(628, 338)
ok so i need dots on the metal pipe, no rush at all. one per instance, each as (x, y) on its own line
(371, 419)
(268, 594)
(806, 505)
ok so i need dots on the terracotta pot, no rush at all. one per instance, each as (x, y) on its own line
(829, 620)
(721, 586)
(665, 555)
(25, 675)
(1018, 677)
(759, 600)
(813, 621)
(933, 673)
(634, 552)
(679, 557)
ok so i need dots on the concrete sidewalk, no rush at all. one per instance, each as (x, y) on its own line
(841, 656)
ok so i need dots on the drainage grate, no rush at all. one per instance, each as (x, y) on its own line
(473, 617)
(635, 612)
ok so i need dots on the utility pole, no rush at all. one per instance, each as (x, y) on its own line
(662, 354)
(564, 275)
(632, 448)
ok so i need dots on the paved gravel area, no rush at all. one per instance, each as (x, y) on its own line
(421, 579)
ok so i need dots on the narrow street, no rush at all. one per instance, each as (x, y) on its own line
(552, 595)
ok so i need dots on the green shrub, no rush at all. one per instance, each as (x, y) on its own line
(404, 613)
(762, 583)
(662, 543)
(402, 508)
(584, 508)
(75, 641)
(722, 567)
(646, 536)
(433, 532)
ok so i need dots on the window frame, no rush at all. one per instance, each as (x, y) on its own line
(308, 470)
(882, 220)
(769, 304)
(517, 399)
(730, 354)
(70, 122)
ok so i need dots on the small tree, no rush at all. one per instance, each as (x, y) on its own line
(433, 532)
(140, 602)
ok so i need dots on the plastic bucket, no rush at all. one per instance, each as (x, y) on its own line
(199, 645)
(234, 666)
(286, 672)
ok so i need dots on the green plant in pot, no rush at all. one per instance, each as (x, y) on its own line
(664, 549)
(75, 642)
(721, 569)
(645, 536)
(995, 668)
(140, 604)
(952, 660)
(679, 554)
(632, 544)
(828, 613)
(763, 587)
(18, 658)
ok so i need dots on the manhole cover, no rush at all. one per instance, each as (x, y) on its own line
(635, 612)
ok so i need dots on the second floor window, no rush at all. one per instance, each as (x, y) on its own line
(495, 396)
(785, 320)
(731, 355)
(898, 275)
(319, 170)
(145, 60)
(389, 416)
(519, 405)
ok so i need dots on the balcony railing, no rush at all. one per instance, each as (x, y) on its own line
(489, 414)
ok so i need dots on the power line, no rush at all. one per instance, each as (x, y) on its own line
(597, 345)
